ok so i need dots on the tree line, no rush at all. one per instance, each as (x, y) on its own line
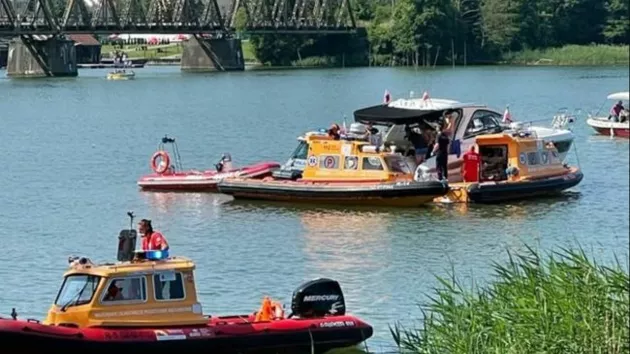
(430, 32)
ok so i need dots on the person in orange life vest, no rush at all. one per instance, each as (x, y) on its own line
(151, 240)
(470, 165)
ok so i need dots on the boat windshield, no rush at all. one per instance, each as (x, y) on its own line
(301, 151)
(77, 289)
(396, 163)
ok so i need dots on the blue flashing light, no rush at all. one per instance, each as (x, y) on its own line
(156, 255)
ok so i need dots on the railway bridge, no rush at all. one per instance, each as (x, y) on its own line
(39, 28)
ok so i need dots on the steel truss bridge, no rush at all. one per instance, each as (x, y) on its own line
(58, 17)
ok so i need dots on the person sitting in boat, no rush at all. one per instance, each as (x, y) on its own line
(114, 293)
(151, 240)
(333, 131)
(615, 111)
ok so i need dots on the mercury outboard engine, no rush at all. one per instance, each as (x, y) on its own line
(127, 241)
(318, 298)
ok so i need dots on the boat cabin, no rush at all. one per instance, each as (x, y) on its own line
(412, 123)
(408, 121)
(346, 159)
(150, 290)
(517, 157)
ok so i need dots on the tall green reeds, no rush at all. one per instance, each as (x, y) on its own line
(565, 304)
(596, 54)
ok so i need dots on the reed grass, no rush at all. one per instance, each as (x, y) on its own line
(599, 54)
(565, 303)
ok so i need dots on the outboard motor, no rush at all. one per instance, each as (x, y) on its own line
(318, 298)
(127, 241)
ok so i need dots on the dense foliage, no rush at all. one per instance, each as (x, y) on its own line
(563, 304)
(404, 32)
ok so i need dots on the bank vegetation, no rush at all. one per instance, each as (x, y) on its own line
(563, 303)
(462, 32)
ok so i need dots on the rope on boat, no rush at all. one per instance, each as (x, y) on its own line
(367, 350)
(577, 157)
(312, 341)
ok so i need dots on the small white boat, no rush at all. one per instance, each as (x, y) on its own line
(121, 75)
(605, 125)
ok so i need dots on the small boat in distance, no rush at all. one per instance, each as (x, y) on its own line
(147, 303)
(121, 74)
(512, 166)
(170, 176)
(348, 172)
(604, 125)
(469, 120)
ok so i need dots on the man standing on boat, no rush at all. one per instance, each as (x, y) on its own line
(440, 149)
(151, 240)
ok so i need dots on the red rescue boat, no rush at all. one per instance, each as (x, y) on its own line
(170, 176)
(147, 303)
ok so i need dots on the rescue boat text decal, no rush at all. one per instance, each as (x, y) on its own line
(143, 312)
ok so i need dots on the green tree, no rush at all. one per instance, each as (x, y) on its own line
(617, 27)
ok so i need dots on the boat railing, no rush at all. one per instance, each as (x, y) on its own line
(561, 120)
(178, 160)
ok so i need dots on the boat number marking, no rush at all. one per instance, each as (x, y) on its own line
(329, 162)
(127, 335)
(336, 324)
(312, 160)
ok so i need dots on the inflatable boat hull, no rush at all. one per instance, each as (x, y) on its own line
(205, 181)
(403, 194)
(282, 336)
(497, 192)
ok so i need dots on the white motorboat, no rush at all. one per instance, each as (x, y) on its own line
(606, 125)
(469, 121)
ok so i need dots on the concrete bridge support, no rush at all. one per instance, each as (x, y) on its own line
(48, 57)
(203, 54)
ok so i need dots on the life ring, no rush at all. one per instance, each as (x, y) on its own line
(166, 161)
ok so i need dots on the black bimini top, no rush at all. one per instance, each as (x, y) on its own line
(383, 114)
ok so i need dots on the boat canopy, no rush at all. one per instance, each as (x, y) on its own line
(619, 96)
(407, 111)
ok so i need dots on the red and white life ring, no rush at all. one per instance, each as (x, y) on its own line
(163, 166)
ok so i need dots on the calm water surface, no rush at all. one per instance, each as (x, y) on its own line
(74, 148)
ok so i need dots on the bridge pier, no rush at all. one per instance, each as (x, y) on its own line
(217, 54)
(49, 57)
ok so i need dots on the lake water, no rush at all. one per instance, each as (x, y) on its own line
(72, 150)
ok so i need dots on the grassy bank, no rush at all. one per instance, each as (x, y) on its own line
(568, 55)
(145, 51)
(572, 55)
(565, 303)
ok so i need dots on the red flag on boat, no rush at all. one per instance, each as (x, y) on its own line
(425, 96)
(387, 97)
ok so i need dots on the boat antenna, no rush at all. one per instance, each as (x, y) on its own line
(131, 216)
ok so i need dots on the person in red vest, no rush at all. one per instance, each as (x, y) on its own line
(151, 240)
(470, 165)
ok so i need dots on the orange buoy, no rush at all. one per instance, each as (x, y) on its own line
(166, 161)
